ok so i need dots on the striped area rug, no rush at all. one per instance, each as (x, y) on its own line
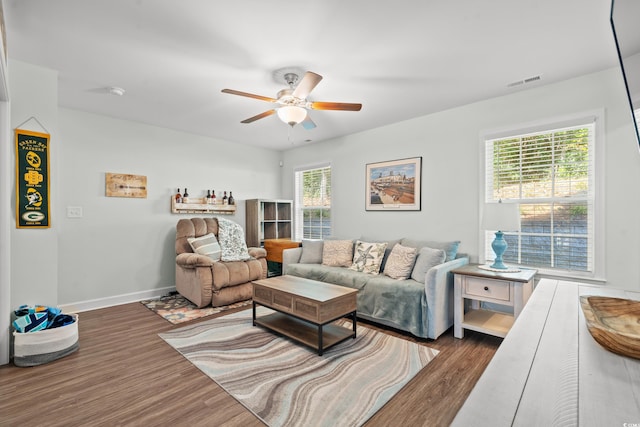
(286, 384)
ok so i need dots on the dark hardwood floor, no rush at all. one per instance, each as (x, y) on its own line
(124, 374)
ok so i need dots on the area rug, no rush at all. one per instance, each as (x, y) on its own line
(286, 384)
(177, 309)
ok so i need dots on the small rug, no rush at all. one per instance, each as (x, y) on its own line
(177, 309)
(287, 384)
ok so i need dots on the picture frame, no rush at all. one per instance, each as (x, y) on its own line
(125, 185)
(394, 185)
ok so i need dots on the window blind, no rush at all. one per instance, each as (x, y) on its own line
(313, 203)
(550, 174)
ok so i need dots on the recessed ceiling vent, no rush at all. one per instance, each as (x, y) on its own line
(525, 81)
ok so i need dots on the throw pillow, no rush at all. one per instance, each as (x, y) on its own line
(367, 257)
(427, 258)
(390, 245)
(311, 252)
(337, 253)
(400, 262)
(450, 248)
(206, 245)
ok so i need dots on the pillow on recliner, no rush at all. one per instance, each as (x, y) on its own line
(206, 245)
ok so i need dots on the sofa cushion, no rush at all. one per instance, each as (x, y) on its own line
(390, 245)
(206, 245)
(400, 304)
(337, 253)
(311, 252)
(427, 258)
(450, 248)
(400, 262)
(367, 257)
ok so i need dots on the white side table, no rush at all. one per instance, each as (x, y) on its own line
(478, 285)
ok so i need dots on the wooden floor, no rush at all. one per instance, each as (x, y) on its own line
(124, 374)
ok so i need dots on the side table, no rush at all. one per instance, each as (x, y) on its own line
(274, 248)
(479, 285)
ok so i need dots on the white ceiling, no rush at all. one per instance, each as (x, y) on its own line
(400, 59)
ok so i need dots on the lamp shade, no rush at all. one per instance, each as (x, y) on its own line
(501, 217)
(291, 114)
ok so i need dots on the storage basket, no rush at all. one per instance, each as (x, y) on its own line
(47, 345)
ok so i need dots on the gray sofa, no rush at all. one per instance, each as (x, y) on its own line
(421, 304)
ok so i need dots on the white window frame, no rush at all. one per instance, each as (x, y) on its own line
(297, 209)
(594, 116)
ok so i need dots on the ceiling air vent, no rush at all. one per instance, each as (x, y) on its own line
(525, 81)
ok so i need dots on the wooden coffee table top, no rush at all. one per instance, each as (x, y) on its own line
(306, 288)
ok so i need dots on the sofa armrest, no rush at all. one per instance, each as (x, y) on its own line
(438, 286)
(290, 256)
(192, 260)
(257, 253)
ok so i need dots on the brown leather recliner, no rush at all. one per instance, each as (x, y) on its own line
(204, 281)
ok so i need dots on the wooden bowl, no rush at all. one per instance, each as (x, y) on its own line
(614, 323)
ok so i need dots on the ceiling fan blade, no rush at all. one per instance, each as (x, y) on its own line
(306, 85)
(307, 123)
(335, 106)
(259, 116)
(248, 95)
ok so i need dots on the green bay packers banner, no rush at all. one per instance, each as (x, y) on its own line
(32, 179)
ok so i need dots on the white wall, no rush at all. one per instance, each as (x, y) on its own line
(449, 144)
(34, 253)
(126, 245)
(120, 246)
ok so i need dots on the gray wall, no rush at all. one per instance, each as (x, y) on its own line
(121, 248)
(449, 143)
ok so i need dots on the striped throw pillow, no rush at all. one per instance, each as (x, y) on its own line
(206, 245)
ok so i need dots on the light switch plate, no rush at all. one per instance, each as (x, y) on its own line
(74, 211)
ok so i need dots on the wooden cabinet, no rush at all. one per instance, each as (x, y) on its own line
(268, 219)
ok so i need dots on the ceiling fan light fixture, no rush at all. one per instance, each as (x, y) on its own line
(291, 114)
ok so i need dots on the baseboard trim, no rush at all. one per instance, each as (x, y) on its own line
(94, 304)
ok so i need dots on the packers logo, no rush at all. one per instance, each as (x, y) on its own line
(33, 216)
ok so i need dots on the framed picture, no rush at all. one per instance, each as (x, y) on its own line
(125, 185)
(394, 185)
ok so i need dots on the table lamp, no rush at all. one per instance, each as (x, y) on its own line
(501, 217)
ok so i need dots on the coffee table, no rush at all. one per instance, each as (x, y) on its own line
(305, 310)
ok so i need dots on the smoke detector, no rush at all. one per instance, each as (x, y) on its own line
(117, 91)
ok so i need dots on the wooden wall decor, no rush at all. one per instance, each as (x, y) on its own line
(125, 185)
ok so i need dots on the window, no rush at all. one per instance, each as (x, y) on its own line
(550, 174)
(313, 203)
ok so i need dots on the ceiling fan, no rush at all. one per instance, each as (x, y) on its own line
(293, 104)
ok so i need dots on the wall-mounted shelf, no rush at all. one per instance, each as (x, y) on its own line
(200, 206)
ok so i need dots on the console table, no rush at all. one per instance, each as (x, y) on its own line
(550, 371)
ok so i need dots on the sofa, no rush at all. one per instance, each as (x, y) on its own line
(405, 284)
(208, 270)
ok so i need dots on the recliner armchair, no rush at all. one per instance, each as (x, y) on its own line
(204, 281)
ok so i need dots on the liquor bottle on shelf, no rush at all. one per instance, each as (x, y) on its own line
(186, 194)
(231, 199)
(208, 199)
(213, 197)
(178, 197)
(225, 200)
